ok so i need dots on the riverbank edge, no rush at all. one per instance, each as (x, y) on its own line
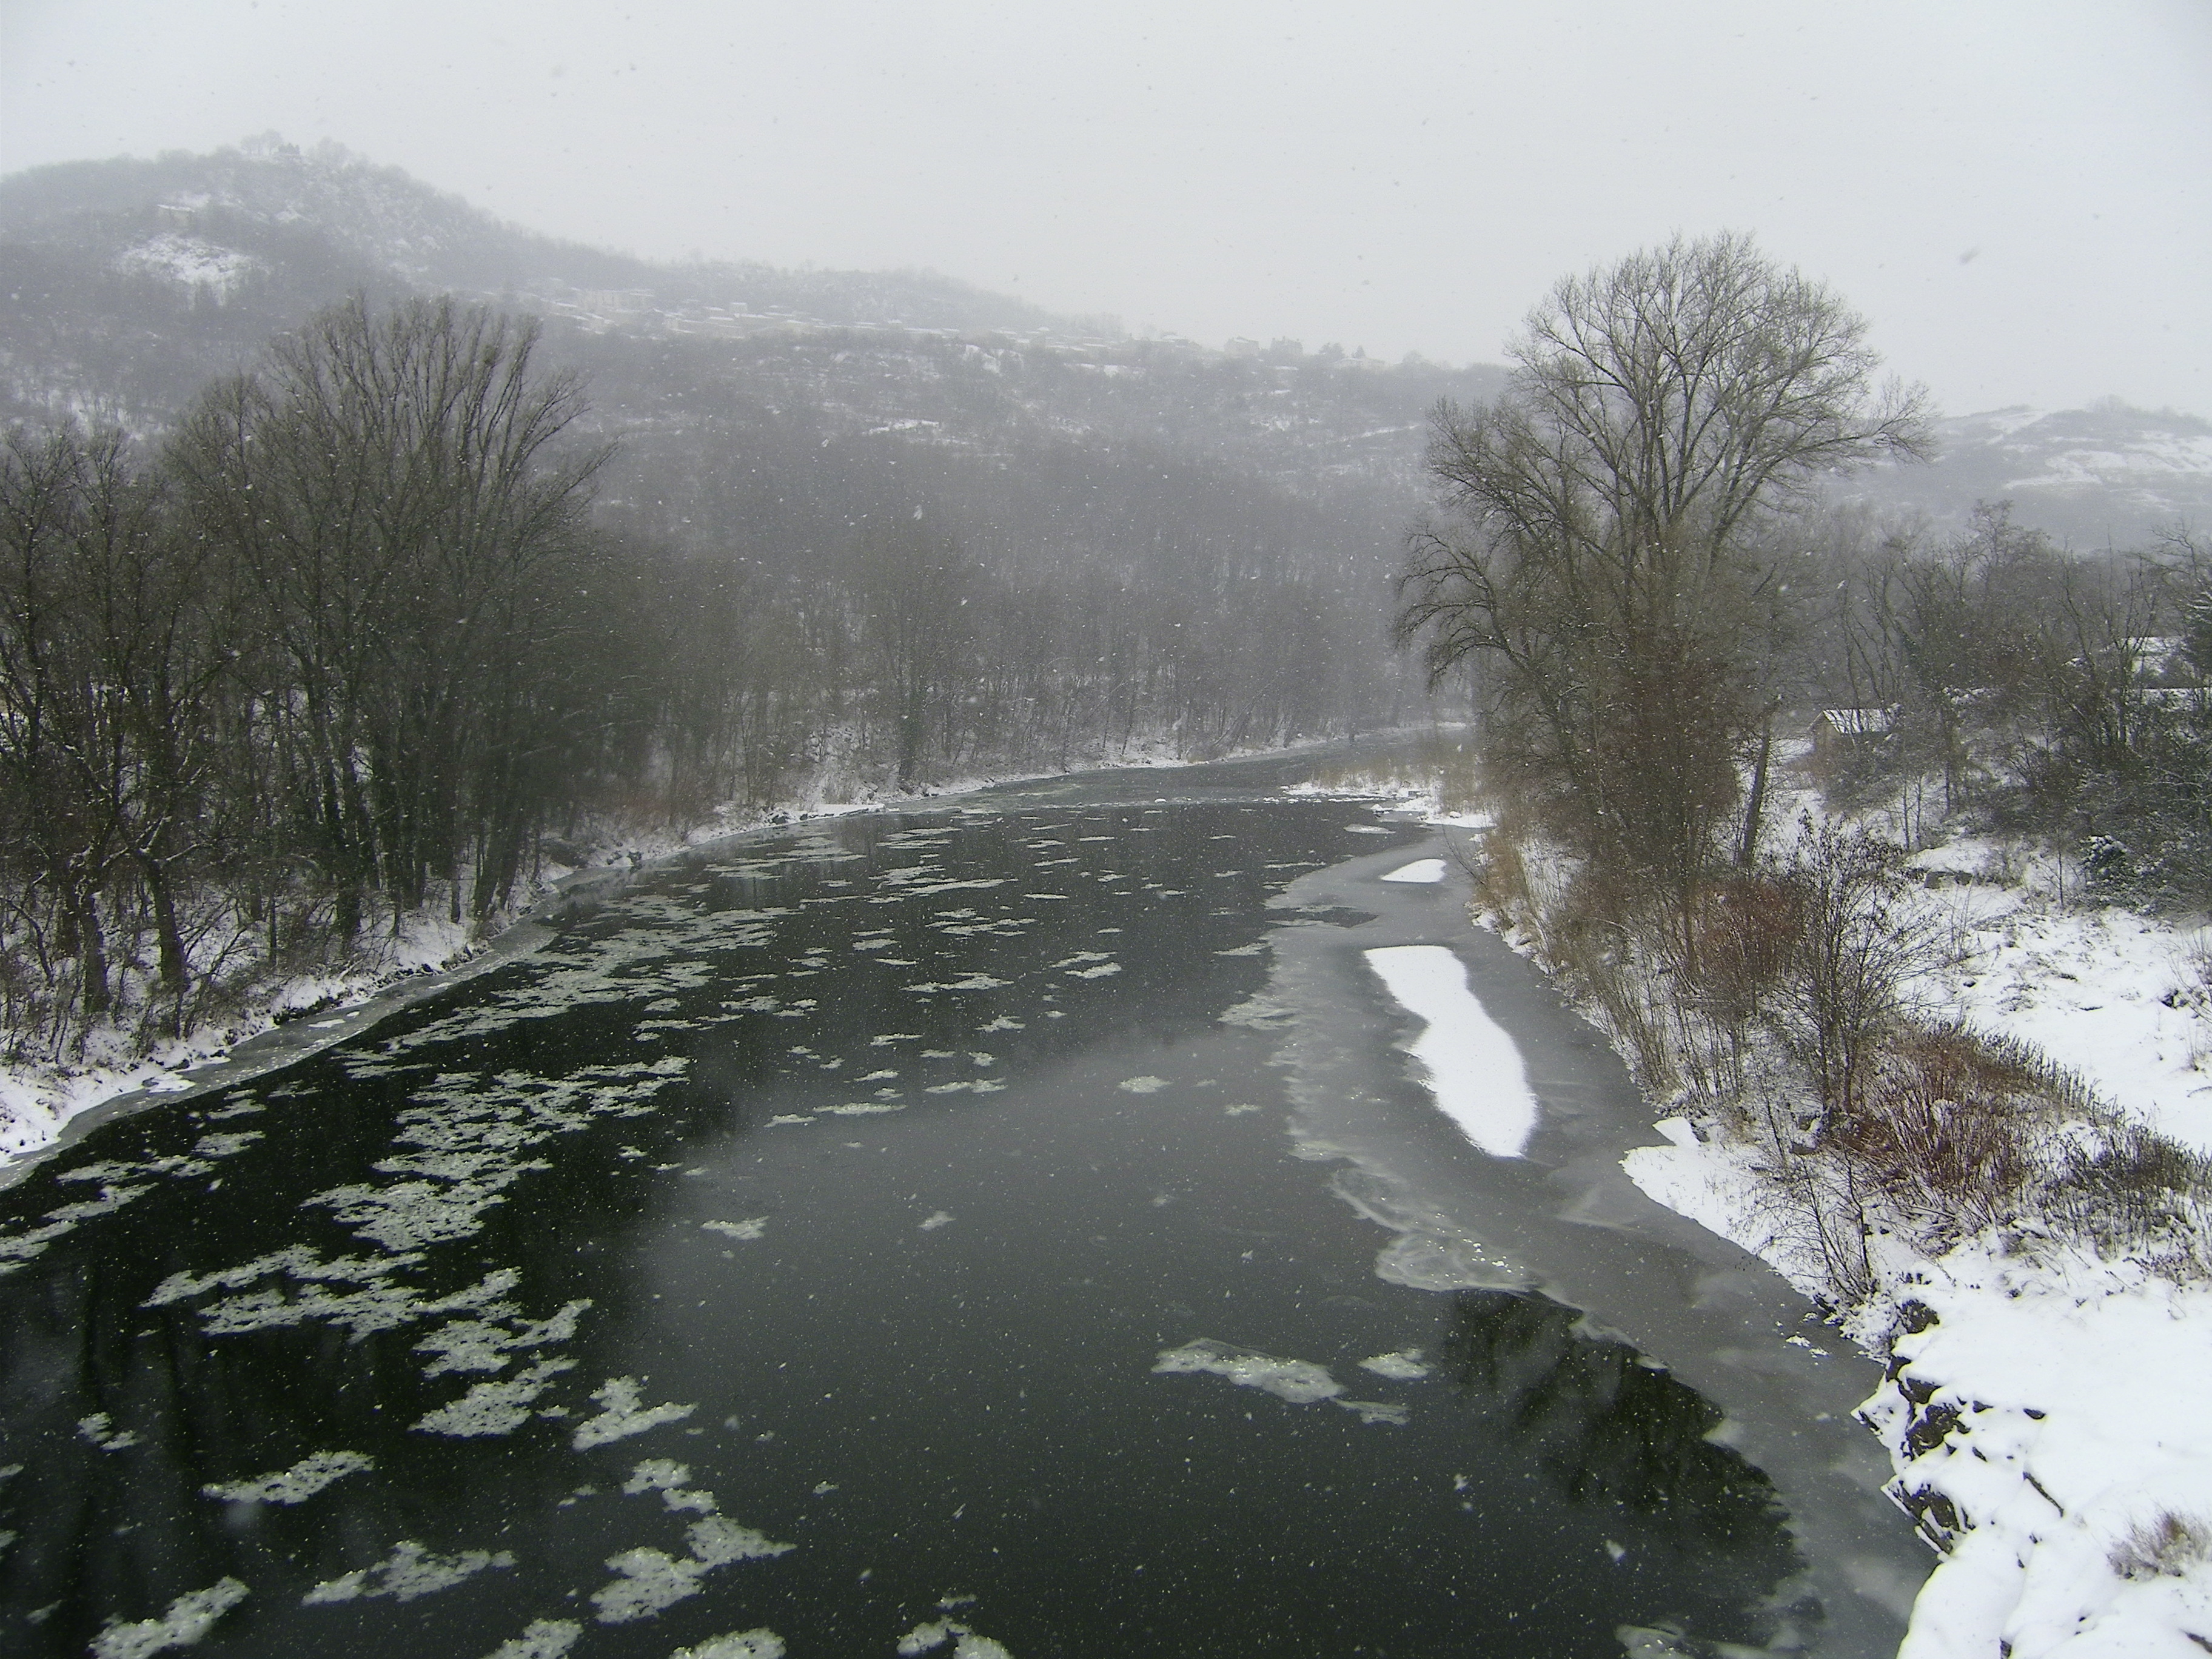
(258, 1044)
(1985, 1363)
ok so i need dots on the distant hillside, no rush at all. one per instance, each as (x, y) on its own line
(126, 285)
(765, 412)
(2091, 476)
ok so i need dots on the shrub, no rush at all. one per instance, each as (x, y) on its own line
(1854, 946)
(2166, 1547)
(1946, 1129)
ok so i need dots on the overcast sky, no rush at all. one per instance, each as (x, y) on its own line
(2018, 194)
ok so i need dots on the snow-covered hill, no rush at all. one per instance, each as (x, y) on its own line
(2106, 475)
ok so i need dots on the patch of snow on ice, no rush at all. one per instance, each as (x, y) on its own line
(1420, 870)
(1474, 1068)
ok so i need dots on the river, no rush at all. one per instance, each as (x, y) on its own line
(1013, 1227)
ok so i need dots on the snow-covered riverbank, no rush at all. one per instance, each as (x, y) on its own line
(2046, 1406)
(39, 1098)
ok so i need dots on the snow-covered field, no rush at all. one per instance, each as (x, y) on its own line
(2050, 1407)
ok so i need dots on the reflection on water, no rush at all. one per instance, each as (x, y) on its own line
(1613, 1430)
(795, 1252)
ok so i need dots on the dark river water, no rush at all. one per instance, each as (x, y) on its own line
(1011, 1228)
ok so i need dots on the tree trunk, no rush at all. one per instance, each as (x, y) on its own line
(95, 998)
(1746, 850)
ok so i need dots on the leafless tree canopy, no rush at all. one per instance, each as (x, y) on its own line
(1605, 557)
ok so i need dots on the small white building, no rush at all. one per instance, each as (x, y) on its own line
(1840, 734)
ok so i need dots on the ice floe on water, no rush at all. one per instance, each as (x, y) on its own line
(1366, 829)
(296, 1485)
(624, 1415)
(1420, 870)
(648, 1580)
(470, 1133)
(545, 1638)
(408, 1572)
(1142, 1086)
(98, 1430)
(977, 981)
(1374, 1411)
(762, 1644)
(189, 1617)
(1298, 1380)
(494, 1408)
(967, 1644)
(936, 1218)
(667, 1477)
(751, 1228)
(479, 1345)
(1405, 1366)
(380, 1303)
(1470, 1064)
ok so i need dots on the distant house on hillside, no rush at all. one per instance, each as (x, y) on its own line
(1842, 735)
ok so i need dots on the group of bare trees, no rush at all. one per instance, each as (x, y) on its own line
(1632, 562)
(2055, 692)
(322, 647)
(350, 641)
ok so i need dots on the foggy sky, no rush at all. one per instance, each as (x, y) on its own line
(2014, 192)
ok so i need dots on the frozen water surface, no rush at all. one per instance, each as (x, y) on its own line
(485, 1344)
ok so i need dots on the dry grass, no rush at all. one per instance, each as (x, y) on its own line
(2165, 1547)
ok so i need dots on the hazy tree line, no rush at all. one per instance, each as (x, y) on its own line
(2042, 690)
(352, 642)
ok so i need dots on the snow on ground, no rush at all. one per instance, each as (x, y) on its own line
(38, 1099)
(190, 261)
(2120, 998)
(2081, 1451)
(2058, 1406)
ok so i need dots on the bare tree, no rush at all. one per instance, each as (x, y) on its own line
(391, 487)
(1605, 557)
